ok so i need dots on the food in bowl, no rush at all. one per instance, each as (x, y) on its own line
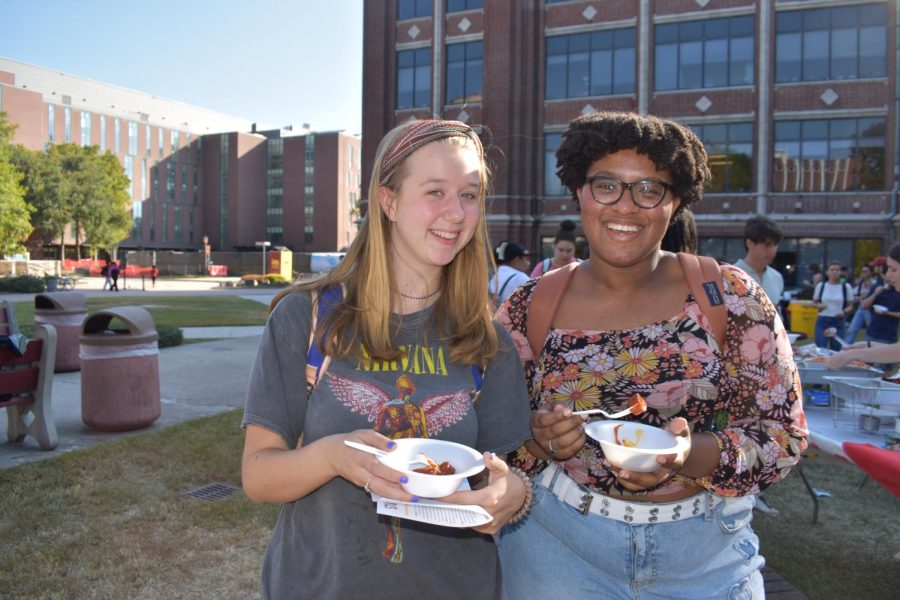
(432, 468)
(466, 461)
(634, 446)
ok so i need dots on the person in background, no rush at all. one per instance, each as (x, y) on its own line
(880, 346)
(864, 288)
(563, 250)
(627, 323)
(114, 276)
(681, 236)
(154, 273)
(761, 238)
(408, 332)
(514, 262)
(107, 275)
(834, 300)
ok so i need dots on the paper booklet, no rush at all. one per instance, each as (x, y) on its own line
(433, 511)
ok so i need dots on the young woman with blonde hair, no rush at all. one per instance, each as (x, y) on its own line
(408, 336)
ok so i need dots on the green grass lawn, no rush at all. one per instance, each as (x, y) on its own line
(112, 521)
(178, 311)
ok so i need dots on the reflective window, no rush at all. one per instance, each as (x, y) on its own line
(847, 42)
(829, 155)
(85, 128)
(464, 72)
(590, 64)
(132, 138)
(117, 135)
(51, 122)
(102, 133)
(68, 123)
(148, 140)
(704, 54)
(729, 147)
(459, 5)
(414, 78)
(552, 185)
(411, 9)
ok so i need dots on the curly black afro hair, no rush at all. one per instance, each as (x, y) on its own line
(671, 146)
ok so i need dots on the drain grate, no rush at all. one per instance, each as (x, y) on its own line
(212, 492)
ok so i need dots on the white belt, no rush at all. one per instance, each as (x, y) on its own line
(564, 487)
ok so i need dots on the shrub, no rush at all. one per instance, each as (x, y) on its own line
(169, 336)
(22, 284)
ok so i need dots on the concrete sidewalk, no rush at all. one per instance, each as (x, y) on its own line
(196, 380)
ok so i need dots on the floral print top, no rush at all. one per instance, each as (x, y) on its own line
(750, 388)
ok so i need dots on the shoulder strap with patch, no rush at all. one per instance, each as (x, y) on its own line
(323, 302)
(704, 276)
(545, 299)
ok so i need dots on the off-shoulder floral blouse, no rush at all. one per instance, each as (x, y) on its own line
(750, 388)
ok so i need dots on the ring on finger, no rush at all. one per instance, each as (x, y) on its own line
(366, 487)
(550, 448)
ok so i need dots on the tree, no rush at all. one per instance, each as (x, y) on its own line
(108, 218)
(15, 213)
(43, 190)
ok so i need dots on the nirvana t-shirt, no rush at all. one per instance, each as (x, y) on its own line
(331, 543)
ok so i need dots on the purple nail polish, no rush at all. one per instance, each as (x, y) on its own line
(414, 499)
(404, 479)
(391, 445)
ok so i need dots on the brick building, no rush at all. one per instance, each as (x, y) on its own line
(796, 102)
(195, 172)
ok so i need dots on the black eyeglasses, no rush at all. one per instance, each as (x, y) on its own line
(647, 193)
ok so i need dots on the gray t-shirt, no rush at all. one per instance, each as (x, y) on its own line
(331, 543)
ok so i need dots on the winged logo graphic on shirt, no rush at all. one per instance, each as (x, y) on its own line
(399, 417)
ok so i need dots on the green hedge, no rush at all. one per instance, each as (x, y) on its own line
(22, 284)
(169, 336)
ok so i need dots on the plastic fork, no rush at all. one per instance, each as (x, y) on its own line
(379, 452)
(636, 405)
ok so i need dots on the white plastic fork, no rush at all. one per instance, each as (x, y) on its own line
(600, 411)
(379, 452)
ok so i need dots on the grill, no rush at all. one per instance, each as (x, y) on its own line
(212, 492)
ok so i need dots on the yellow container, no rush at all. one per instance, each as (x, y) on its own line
(803, 318)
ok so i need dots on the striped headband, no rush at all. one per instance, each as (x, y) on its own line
(417, 135)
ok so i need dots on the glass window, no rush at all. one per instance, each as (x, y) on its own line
(829, 155)
(68, 123)
(459, 5)
(704, 54)
(414, 78)
(102, 133)
(117, 135)
(464, 72)
(552, 185)
(159, 141)
(412, 9)
(845, 42)
(147, 140)
(51, 123)
(729, 147)
(85, 128)
(132, 138)
(590, 64)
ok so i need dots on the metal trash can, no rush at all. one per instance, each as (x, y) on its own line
(119, 370)
(66, 312)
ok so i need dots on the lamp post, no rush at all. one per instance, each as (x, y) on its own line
(263, 246)
(206, 251)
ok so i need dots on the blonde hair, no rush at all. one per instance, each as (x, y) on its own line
(463, 312)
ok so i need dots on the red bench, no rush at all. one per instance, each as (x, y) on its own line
(26, 385)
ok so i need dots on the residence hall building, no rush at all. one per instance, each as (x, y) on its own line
(796, 102)
(194, 172)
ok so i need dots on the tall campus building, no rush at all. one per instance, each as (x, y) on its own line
(195, 172)
(796, 102)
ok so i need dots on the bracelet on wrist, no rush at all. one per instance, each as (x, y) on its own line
(529, 494)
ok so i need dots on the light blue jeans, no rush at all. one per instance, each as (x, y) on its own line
(862, 316)
(557, 552)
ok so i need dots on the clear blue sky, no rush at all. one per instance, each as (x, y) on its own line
(276, 62)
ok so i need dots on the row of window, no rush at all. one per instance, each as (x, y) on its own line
(413, 9)
(810, 45)
(817, 155)
(86, 121)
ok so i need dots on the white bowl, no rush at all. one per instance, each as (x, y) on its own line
(465, 460)
(879, 308)
(642, 458)
(793, 337)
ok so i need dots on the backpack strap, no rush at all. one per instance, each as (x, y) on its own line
(820, 290)
(704, 276)
(545, 299)
(503, 287)
(324, 301)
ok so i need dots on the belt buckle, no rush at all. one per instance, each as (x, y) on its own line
(584, 505)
